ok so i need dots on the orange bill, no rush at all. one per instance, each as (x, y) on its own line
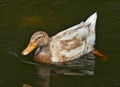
(104, 57)
(31, 46)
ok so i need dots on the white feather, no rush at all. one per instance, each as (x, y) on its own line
(84, 32)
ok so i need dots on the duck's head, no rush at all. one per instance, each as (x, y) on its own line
(38, 39)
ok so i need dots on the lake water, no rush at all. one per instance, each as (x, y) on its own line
(19, 19)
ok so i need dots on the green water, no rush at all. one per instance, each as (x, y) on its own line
(19, 19)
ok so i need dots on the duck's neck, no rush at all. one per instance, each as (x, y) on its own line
(46, 42)
(45, 48)
(43, 54)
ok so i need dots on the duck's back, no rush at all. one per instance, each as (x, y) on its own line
(71, 43)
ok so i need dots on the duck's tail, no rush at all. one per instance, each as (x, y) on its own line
(91, 34)
(92, 20)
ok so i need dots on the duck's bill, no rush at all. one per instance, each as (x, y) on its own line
(31, 46)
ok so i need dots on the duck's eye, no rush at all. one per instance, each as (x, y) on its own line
(39, 36)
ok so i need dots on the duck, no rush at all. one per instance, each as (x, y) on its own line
(66, 45)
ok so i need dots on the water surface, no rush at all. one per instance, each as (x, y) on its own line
(19, 19)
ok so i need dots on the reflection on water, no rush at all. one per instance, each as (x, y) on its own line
(43, 79)
(82, 66)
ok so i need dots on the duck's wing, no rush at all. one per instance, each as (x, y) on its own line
(72, 42)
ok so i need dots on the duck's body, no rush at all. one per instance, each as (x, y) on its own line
(67, 45)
